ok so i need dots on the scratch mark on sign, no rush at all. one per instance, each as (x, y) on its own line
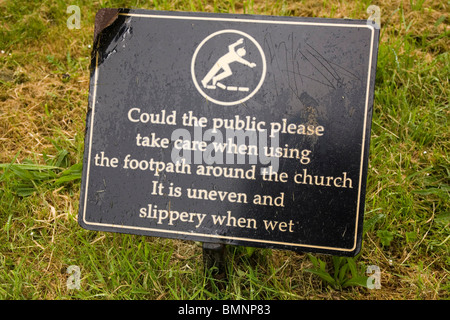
(288, 59)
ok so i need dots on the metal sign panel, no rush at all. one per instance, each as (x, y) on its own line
(238, 129)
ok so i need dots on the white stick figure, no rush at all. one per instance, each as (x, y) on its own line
(223, 63)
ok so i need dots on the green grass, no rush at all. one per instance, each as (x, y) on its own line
(44, 78)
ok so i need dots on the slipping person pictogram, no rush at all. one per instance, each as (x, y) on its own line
(223, 63)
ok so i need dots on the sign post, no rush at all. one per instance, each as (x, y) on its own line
(214, 256)
(230, 129)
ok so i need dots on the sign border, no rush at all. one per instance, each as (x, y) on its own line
(209, 237)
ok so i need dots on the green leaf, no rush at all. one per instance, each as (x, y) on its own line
(368, 224)
(443, 218)
(440, 20)
(323, 275)
(313, 260)
(385, 236)
(67, 178)
(411, 236)
(352, 266)
(70, 174)
(322, 265)
(249, 250)
(343, 273)
(356, 281)
(76, 168)
(7, 166)
(435, 191)
(22, 173)
(25, 191)
(61, 157)
(28, 166)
